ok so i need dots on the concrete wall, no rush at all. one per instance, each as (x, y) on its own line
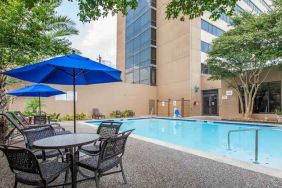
(106, 97)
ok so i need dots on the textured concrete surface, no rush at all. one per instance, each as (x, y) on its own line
(150, 165)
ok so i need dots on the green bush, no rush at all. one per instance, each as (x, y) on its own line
(116, 114)
(122, 114)
(279, 113)
(128, 113)
(32, 107)
(79, 116)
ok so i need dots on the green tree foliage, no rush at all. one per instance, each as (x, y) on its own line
(95, 9)
(29, 33)
(244, 56)
(194, 9)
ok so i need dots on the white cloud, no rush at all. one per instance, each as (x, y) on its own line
(97, 38)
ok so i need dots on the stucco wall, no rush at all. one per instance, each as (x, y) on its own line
(106, 97)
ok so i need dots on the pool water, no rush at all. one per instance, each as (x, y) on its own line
(212, 137)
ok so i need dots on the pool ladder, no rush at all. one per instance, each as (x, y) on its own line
(256, 140)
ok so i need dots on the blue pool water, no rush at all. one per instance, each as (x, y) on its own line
(212, 137)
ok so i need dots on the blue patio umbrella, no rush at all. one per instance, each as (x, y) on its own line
(37, 90)
(70, 69)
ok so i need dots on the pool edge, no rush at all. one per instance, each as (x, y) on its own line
(218, 158)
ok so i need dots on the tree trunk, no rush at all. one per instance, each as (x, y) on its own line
(3, 96)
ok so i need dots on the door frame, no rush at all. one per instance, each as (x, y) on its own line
(216, 93)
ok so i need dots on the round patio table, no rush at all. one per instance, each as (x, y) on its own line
(67, 141)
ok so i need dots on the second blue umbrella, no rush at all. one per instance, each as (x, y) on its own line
(37, 90)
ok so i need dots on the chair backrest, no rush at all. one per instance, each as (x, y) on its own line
(21, 117)
(108, 128)
(57, 116)
(21, 159)
(31, 135)
(40, 119)
(114, 146)
(13, 121)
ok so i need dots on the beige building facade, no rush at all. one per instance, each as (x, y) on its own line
(163, 66)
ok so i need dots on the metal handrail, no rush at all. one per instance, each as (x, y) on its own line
(256, 140)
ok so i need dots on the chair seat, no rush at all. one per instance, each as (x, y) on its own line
(48, 153)
(91, 163)
(90, 149)
(50, 171)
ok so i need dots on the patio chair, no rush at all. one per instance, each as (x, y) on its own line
(96, 114)
(17, 117)
(110, 157)
(19, 128)
(106, 129)
(22, 118)
(27, 169)
(31, 135)
(56, 119)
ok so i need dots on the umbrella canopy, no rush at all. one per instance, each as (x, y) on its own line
(37, 90)
(70, 69)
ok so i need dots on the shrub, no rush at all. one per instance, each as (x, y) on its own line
(79, 116)
(128, 113)
(32, 107)
(116, 114)
(122, 114)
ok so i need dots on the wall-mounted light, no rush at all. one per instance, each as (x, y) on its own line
(196, 88)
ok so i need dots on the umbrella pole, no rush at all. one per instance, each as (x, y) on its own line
(39, 106)
(74, 105)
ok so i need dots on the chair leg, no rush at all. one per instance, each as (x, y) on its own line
(66, 176)
(16, 184)
(122, 171)
(97, 179)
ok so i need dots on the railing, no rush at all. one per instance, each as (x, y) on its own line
(256, 140)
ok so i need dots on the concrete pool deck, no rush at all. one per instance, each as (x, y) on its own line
(151, 165)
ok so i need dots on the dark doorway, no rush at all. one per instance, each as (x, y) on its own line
(210, 102)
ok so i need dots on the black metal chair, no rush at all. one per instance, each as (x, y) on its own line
(110, 157)
(19, 126)
(31, 135)
(106, 129)
(28, 170)
(18, 116)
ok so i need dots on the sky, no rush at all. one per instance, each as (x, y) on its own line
(94, 38)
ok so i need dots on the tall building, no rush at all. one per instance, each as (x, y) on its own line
(170, 54)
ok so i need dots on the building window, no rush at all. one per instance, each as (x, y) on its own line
(225, 18)
(153, 76)
(205, 47)
(268, 98)
(212, 29)
(253, 6)
(238, 9)
(140, 42)
(204, 68)
(265, 5)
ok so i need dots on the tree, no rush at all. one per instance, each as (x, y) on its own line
(244, 56)
(29, 34)
(93, 10)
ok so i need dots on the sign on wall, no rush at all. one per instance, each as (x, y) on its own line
(229, 92)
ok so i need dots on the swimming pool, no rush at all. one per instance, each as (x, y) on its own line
(212, 137)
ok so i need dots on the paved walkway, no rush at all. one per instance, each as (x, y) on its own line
(150, 165)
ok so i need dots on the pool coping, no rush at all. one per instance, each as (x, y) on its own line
(219, 158)
(192, 119)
